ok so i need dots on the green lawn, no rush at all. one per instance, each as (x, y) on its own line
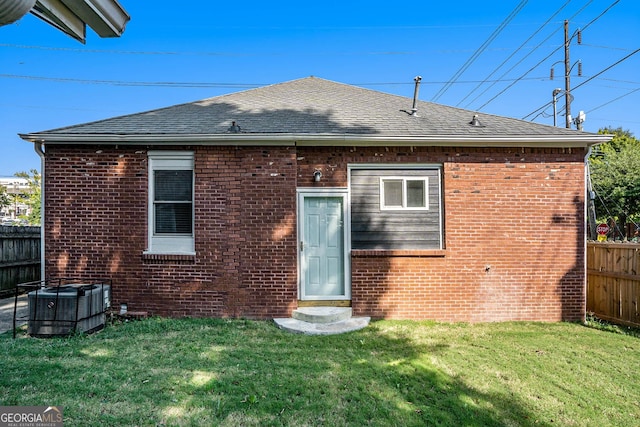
(206, 372)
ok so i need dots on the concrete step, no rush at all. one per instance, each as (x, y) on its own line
(322, 321)
(322, 314)
(308, 328)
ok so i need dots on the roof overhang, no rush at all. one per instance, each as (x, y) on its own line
(56, 14)
(566, 141)
(106, 17)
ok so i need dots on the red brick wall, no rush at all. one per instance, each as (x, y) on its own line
(245, 265)
(513, 222)
(514, 237)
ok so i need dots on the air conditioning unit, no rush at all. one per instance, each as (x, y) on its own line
(61, 310)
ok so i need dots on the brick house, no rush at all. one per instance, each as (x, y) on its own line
(314, 192)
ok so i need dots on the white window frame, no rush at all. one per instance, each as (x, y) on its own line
(404, 206)
(179, 243)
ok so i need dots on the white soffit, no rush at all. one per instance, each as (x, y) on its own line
(54, 12)
(106, 17)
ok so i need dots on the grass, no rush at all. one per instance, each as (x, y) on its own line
(205, 372)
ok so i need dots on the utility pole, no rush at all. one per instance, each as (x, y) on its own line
(567, 73)
(567, 76)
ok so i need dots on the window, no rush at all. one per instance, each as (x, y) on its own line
(172, 201)
(404, 193)
(396, 206)
(171, 211)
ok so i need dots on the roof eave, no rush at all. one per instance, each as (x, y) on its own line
(287, 139)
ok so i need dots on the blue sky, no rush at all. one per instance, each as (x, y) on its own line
(170, 54)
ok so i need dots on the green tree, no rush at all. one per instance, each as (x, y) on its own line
(4, 197)
(32, 197)
(615, 174)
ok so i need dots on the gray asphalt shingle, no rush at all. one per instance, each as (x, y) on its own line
(312, 106)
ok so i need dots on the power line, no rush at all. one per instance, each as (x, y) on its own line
(543, 113)
(198, 84)
(586, 81)
(538, 110)
(613, 100)
(438, 82)
(619, 81)
(512, 55)
(520, 78)
(480, 50)
(512, 68)
(247, 54)
(134, 83)
(607, 69)
(522, 60)
(605, 47)
(601, 14)
(548, 56)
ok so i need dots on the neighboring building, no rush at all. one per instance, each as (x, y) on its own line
(314, 192)
(17, 189)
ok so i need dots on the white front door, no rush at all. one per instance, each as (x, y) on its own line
(323, 246)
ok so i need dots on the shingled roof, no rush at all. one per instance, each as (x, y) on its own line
(313, 110)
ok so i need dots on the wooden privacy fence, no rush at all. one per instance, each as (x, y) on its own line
(613, 281)
(19, 257)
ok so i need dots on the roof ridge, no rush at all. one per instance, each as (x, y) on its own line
(310, 106)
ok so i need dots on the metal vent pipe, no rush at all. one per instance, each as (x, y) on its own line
(414, 109)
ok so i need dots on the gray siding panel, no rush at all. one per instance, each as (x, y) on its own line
(373, 228)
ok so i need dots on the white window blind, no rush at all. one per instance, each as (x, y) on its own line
(171, 201)
(404, 193)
